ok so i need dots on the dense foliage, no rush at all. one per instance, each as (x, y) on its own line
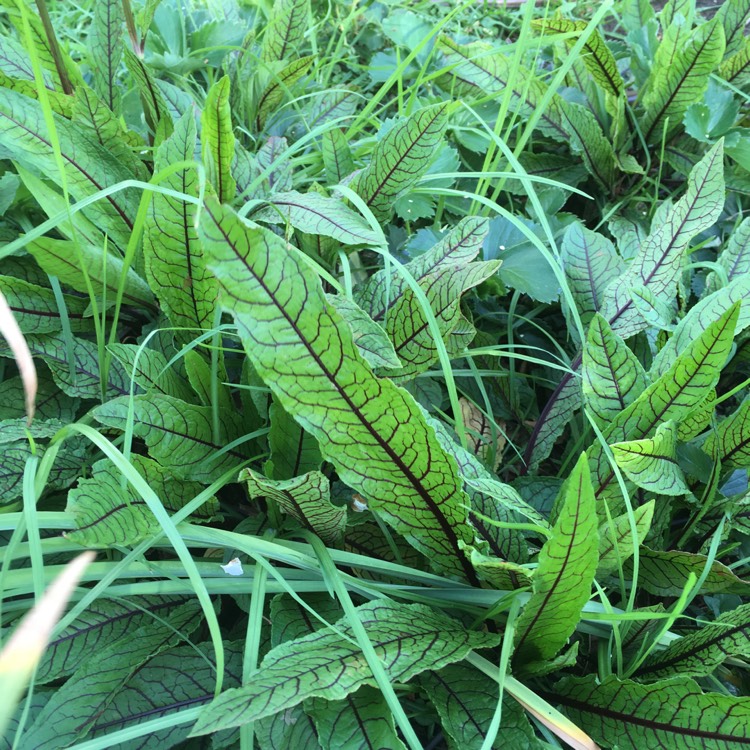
(393, 356)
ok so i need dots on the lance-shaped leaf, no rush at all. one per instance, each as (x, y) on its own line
(108, 514)
(285, 30)
(13, 430)
(616, 543)
(279, 87)
(333, 104)
(659, 261)
(290, 728)
(675, 713)
(293, 451)
(217, 140)
(499, 574)
(179, 435)
(61, 258)
(699, 653)
(370, 337)
(651, 463)
(99, 625)
(466, 700)
(15, 62)
(105, 46)
(88, 167)
(51, 402)
(563, 578)
(735, 257)
(674, 87)
(408, 639)
(275, 165)
(306, 498)
(736, 69)
(171, 682)
(76, 706)
(597, 57)
(732, 437)
(337, 156)
(698, 419)
(372, 431)
(36, 310)
(673, 396)
(401, 158)
(148, 368)
(317, 214)
(612, 375)
(154, 103)
(460, 246)
(407, 322)
(172, 252)
(486, 438)
(733, 14)
(591, 264)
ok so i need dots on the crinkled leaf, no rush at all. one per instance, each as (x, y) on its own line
(408, 639)
(675, 713)
(285, 30)
(105, 47)
(148, 368)
(217, 140)
(562, 580)
(179, 435)
(616, 543)
(372, 431)
(612, 375)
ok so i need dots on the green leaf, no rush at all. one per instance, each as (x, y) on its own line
(409, 639)
(105, 46)
(173, 255)
(306, 498)
(732, 438)
(401, 158)
(290, 728)
(217, 140)
(88, 167)
(651, 463)
(150, 371)
(591, 264)
(316, 214)
(51, 402)
(735, 256)
(734, 15)
(372, 431)
(674, 713)
(658, 265)
(293, 451)
(616, 543)
(272, 154)
(673, 87)
(466, 700)
(459, 246)
(699, 653)
(279, 86)
(154, 103)
(15, 62)
(612, 375)
(337, 156)
(179, 435)
(563, 578)
(285, 30)
(499, 574)
(736, 69)
(108, 514)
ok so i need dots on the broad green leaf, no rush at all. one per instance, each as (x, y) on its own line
(278, 88)
(217, 140)
(36, 310)
(732, 438)
(363, 720)
(612, 375)
(337, 156)
(285, 30)
(108, 514)
(657, 313)
(506, 496)
(459, 246)
(369, 429)
(13, 430)
(15, 62)
(734, 15)
(591, 264)
(736, 69)
(290, 728)
(198, 371)
(700, 652)
(659, 262)
(105, 47)
(167, 684)
(99, 625)
(466, 700)
(651, 463)
(673, 396)
(61, 258)
(401, 158)
(407, 322)
(616, 542)
(77, 705)
(486, 438)
(275, 164)
(306, 497)
(173, 255)
(333, 104)
(597, 57)
(375, 540)
(316, 214)
(735, 257)
(675, 713)
(179, 435)
(148, 368)
(562, 580)
(408, 639)
(155, 105)
(88, 167)
(293, 451)
(51, 402)
(675, 85)
(698, 419)
(370, 337)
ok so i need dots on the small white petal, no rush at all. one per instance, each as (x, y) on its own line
(233, 567)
